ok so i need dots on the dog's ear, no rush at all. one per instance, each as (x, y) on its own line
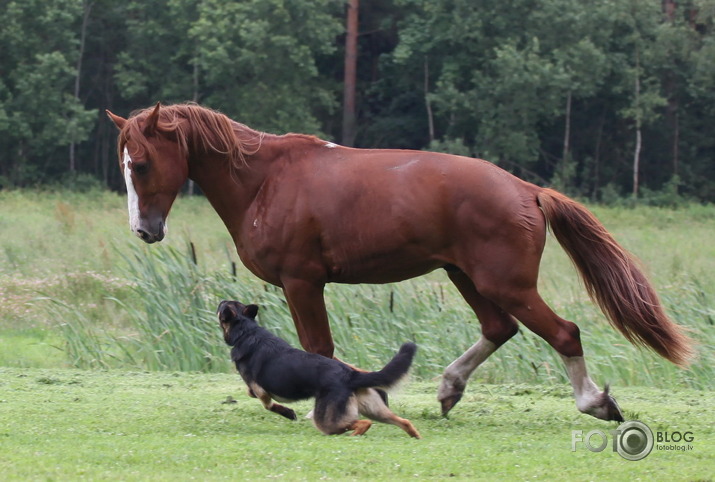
(250, 311)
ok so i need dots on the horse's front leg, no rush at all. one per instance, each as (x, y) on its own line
(307, 307)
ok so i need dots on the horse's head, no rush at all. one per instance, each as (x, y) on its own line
(155, 168)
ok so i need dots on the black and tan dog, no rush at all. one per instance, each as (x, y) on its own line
(273, 369)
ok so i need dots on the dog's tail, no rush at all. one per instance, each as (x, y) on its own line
(390, 374)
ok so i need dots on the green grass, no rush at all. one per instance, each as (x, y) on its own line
(120, 425)
(31, 347)
(77, 289)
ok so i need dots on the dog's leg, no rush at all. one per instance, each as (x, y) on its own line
(371, 405)
(336, 412)
(269, 404)
(359, 427)
(284, 411)
(342, 425)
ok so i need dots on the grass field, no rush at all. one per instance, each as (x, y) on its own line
(77, 289)
(120, 425)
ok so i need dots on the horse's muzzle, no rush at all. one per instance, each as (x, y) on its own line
(150, 238)
(152, 234)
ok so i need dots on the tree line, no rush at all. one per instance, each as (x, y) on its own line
(599, 98)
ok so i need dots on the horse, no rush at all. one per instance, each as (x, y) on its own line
(304, 212)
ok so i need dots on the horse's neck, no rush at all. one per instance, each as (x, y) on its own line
(231, 190)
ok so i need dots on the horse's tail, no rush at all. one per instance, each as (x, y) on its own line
(613, 278)
(390, 374)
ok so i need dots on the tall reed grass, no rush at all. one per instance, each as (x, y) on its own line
(151, 307)
(172, 326)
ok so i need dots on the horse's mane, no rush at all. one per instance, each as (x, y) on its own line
(197, 130)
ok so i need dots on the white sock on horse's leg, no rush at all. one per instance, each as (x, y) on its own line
(455, 376)
(589, 399)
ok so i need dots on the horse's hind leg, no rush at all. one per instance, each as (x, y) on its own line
(528, 307)
(497, 328)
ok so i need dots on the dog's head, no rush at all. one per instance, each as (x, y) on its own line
(232, 316)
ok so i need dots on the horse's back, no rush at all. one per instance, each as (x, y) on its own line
(414, 187)
(416, 211)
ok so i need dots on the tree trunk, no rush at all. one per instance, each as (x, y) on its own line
(565, 168)
(195, 78)
(349, 116)
(430, 118)
(676, 142)
(670, 86)
(637, 155)
(597, 156)
(668, 7)
(87, 7)
(636, 160)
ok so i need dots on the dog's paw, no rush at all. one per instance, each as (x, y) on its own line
(284, 411)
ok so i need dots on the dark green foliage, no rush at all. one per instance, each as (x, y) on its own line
(554, 91)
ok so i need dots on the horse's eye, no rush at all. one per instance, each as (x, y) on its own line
(140, 169)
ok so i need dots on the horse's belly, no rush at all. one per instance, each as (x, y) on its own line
(382, 244)
(390, 275)
(382, 267)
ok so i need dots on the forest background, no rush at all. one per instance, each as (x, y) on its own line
(603, 99)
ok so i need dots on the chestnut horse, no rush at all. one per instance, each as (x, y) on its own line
(304, 212)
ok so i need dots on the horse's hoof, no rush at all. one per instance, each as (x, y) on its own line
(605, 408)
(449, 402)
(612, 409)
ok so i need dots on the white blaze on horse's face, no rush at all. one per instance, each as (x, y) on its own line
(140, 226)
(132, 198)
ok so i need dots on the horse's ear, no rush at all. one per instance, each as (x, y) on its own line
(120, 122)
(151, 121)
(250, 311)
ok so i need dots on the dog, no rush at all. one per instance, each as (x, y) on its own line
(274, 370)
